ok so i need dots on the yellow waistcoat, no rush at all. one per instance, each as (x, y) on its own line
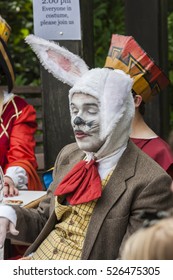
(65, 242)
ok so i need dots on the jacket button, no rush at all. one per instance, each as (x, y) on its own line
(71, 222)
(55, 251)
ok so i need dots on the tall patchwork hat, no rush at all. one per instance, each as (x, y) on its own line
(6, 63)
(126, 54)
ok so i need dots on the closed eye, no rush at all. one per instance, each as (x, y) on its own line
(74, 110)
(92, 112)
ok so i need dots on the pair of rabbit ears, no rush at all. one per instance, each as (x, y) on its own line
(111, 87)
(61, 63)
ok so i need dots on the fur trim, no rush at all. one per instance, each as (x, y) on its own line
(112, 88)
(91, 83)
(116, 92)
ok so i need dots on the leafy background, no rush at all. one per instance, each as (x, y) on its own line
(108, 19)
(19, 16)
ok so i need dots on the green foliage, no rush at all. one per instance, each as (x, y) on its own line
(108, 20)
(19, 16)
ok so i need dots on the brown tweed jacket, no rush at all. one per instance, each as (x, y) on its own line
(137, 183)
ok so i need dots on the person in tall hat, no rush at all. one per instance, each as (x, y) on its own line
(17, 128)
(149, 80)
(101, 182)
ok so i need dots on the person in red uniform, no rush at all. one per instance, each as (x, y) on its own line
(126, 54)
(148, 141)
(17, 128)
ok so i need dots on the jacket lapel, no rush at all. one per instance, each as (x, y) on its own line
(113, 190)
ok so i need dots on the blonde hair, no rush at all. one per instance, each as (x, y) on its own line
(152, 243)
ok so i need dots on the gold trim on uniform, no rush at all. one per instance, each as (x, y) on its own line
(17, 113)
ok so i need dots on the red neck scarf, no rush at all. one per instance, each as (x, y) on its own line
(82, 184)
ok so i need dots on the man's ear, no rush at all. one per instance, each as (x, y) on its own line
(137, 100)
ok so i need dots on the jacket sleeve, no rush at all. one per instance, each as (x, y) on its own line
(22, 142)
(154, 197)
(30, 222)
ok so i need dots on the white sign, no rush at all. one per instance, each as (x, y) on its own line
(57, 19)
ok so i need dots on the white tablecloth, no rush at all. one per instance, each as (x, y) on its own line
(26, 196)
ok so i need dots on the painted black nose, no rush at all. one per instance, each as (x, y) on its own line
(78, 121)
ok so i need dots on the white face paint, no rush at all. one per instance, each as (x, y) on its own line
(85, 120)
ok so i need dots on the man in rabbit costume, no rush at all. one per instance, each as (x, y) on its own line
(102, 182)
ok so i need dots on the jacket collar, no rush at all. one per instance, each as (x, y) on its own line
(124, 170)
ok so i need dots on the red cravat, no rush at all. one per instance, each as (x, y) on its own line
(82, 184)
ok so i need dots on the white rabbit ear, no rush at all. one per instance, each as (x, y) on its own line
(61, 63)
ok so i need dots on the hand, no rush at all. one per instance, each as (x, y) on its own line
(6, 226)
(9, 187)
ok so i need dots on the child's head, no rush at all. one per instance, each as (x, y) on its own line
(151, 243)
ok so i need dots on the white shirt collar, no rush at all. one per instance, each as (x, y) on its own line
(7, 97)
(108, 163)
